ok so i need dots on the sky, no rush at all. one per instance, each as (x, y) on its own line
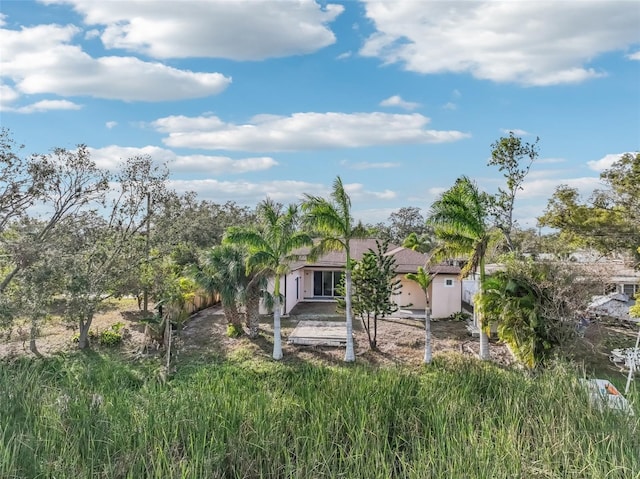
(245, 99)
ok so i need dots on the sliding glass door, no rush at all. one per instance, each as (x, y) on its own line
(325, 283)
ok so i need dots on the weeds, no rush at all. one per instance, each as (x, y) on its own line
(98, 416)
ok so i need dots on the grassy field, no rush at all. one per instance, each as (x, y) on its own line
(97, 415)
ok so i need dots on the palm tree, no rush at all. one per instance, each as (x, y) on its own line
(270, 250)
(332, 220)
(222, 270)
(424, 279)
(422, 243)
(459, 218)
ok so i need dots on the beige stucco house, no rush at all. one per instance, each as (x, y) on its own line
(318, 280)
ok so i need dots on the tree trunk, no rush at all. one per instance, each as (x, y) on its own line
(427, 335)
(365, 325)
(232, 315)
(277, 340)
(253, 313)
(83, 342)
(167, 343)
(374, 344)
(349, 355)
(33, 334)
(484, 339)
(484, 342)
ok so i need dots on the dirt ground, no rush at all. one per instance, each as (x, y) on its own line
(400, 341)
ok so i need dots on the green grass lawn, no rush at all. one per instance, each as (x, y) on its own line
(97, 415)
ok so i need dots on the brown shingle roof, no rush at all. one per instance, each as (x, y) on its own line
(407, 260)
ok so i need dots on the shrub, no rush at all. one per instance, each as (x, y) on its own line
(459, 316)
(234, 331)
(110, 337)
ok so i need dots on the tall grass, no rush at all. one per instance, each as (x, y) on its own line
(97, 416)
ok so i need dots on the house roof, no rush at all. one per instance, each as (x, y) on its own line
(407, 260)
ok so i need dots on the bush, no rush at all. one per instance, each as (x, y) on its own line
(459, 316)
(109, 337)
(234, 331)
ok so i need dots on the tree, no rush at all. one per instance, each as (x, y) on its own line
(374, 283)
(223, 271)
(36, 290)
(610, 219)
(514, 158)
(534, 305)
(405, 221)
(423, 243)
(101, 249)
(424, 279)
(460, 220)
(331, 219)
(270, 251)
(59, 183)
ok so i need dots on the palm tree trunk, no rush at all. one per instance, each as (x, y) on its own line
(277, 340)
(484, 338)
(349, 355)
(427, 335)
(232, 315)
(253, 313)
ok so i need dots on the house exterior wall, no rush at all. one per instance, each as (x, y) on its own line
(294, 288)
(446, 299)
(411, 295)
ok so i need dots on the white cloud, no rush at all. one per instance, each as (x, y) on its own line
(515, 131)
(344, 56)
(530, 43)
(436, 190)
(605, 162)
(237, 30)
(286, 191)
(7, 96)
(544, 187)
(543, 161)
(396, 100)
(302, 131)
(47, 105)
(246, 192)
(41, 59)
(373, 215)
(356, 191)
(450, 106)
(111, 156)
(111, 124)
(368, 165)
(634, 56)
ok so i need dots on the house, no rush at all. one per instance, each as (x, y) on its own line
(317, 281)
(614, 305)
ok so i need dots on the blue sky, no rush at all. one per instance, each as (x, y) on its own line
(246, 99)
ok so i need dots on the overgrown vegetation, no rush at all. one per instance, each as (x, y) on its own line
(97, 416)
(374, 285)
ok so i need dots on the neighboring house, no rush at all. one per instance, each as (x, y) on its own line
(318, 280)
(614, 305)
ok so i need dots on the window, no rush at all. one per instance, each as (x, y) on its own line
(629, 289)
(325, 283)
(448, 283)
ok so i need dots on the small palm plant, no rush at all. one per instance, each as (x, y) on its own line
(424, 279)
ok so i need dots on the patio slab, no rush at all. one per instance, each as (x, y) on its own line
(319, 333)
